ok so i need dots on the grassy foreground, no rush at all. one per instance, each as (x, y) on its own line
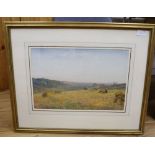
(80, 99)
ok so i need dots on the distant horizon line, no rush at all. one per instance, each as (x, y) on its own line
(80, 82)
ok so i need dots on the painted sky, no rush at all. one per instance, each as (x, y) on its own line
(80, 64)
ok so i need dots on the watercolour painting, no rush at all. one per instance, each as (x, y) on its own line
(79, 78)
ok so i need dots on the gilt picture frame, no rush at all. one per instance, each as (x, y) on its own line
(79, 77)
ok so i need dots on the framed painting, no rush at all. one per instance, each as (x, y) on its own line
(79, 77)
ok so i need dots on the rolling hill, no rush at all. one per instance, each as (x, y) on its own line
(40, 84)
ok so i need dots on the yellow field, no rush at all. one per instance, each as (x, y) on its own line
(80, 99)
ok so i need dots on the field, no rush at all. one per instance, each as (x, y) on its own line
(82, 99)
